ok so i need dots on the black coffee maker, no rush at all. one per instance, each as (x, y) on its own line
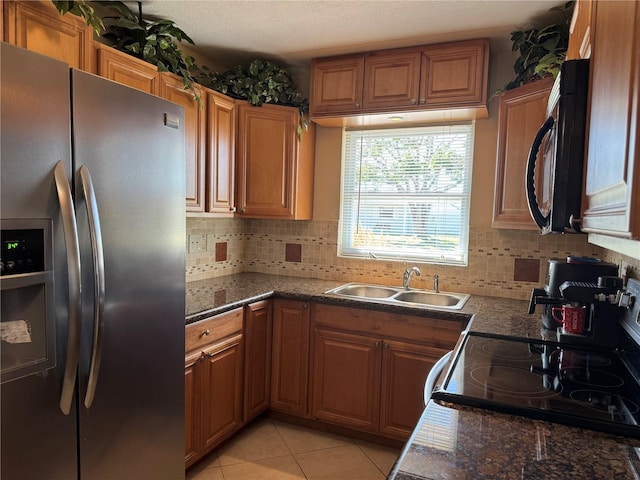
(571, 269)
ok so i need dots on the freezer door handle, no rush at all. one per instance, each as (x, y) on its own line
(74, 278)
(97, 252)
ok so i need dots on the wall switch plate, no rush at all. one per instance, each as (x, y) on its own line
(197, 243)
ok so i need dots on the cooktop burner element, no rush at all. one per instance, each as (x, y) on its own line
(545, 380)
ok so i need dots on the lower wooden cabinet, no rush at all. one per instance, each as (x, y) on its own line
(290, 357)
(346, 379)
(213, 382)
(369, 367)
(258, 325)
(405, 367)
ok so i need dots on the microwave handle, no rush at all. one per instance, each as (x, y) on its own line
(532, 201)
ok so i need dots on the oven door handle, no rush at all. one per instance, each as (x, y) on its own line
(434, 373)
(532, 201)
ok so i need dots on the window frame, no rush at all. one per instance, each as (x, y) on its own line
(345, 247)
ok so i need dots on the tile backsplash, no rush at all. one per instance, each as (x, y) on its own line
(501, 262)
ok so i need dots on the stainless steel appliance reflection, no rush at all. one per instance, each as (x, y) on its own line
(92, 286)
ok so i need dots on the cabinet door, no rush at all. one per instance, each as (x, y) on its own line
(290, 357)
(391, 80)
(522, 112)
(405, 368)
(455, 73)
(172, 89)
(221, 143)
(37, 26)
(258, 326)
(128, 70)
(346, 379)
(192, 446)
(274, 167)
(613, 164)
(580, 31)
(336, 85)
(221, 391)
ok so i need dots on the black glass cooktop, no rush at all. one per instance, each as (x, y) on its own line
(589, 389)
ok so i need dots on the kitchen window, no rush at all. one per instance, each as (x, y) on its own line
(406, 193)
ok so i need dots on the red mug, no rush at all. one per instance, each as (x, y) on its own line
(571, 318)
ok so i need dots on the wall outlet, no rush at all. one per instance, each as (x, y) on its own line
(197, 243)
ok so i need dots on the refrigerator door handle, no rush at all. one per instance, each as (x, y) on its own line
(98, 286)
(74, 278)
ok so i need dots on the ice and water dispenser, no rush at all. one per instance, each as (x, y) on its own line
(27, 315)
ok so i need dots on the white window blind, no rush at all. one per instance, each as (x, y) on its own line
(405, 193)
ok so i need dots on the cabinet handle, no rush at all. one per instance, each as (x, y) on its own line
(376, 344)
(305, 306)
(242, 210)
(206, 333)
(357, 105)
(385, 344)
(423, 101)
(233, 209)
(412, 101)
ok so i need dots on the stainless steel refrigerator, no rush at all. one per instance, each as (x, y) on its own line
(93, 276)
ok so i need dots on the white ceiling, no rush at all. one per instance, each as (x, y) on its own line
(230, 32)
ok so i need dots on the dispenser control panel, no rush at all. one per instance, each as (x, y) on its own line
(23, 251)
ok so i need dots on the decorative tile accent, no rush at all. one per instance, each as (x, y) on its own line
(526, 270)
(293, 252)
(221, 251)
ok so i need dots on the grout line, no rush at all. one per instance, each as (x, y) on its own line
(288, 448)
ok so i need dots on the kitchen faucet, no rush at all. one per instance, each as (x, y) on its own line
(436, 284)
(406, 277)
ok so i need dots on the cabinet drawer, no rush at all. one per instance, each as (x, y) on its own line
(204, 332)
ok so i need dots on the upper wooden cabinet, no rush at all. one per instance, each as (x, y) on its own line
(612, 190)
(522, 111)
(418, 81)
(336, 84)
(275, 166)
(131, 71)
(221, 151)
(392, 80)
(455, 74)
(172, 89)
(580, 31)
(36, 25)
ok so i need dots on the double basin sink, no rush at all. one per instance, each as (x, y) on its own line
(401, 296)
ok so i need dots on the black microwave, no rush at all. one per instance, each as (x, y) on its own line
(559, 144)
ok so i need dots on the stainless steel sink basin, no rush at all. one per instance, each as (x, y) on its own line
(400, 296)
(366, 291)
(430, 298)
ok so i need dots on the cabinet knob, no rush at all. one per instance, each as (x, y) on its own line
(423, 101)
(412, 101)
(376, 344)
(206, 333)
(242, 210)
(233, 209)
(305, 306)
(357, 105)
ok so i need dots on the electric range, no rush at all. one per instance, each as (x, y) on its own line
(579, 385)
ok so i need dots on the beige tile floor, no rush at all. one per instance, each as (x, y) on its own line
(271, 450)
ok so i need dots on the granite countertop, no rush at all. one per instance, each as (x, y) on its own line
(454, 441)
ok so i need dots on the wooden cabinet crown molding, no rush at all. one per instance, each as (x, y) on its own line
(128, 70)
